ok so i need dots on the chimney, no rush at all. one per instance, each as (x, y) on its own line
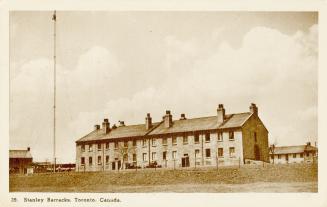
(28, 148)
(96, 127)
(106, 126)
(220, 113)
(168, 119)
(254, 109)
(121, 123)
(308, 143)
(182, 117)
(148, 121)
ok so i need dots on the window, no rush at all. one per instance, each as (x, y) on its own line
(144, 157)
(174, 154)
(279, 156)
(301, 155)
(164, 155)
(255, 136)
(220, 136)
(125, 157)
(271, 156)
(294, 155)
(185, 139)
(82, 160)
(90, 160)
(107, 159)
(83, 148)
(197, 153)
(231, 135)
(90, 148)
(174, 140)
(220, 152)
(232, 151)
(99, 147)
(116, 145)
(99, 160)
(164, 141)
(307, 154)
(196, 138)
(154, 156)
(134, 157)
(107, 145)
(154, 142)
(134, 142)
(207, 137)
(125, 143)
(144, 142)
(208, 153)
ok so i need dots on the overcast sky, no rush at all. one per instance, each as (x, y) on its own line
(122, 65)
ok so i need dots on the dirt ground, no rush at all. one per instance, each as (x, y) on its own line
(271, 178)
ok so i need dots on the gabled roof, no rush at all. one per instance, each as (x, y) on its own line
(293, 149)
(195, 124)
(201, 124)
(19, 154)
(119, 132)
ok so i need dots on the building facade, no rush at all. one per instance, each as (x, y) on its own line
(223, 139)
(20, 161)
(293, 154)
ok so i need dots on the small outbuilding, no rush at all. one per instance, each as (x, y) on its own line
(20, 161)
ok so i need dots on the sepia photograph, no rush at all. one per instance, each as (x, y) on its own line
(163, 101)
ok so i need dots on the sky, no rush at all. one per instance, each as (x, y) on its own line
(122, 65)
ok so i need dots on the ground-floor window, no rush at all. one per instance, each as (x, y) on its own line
(164, 155)
(154, 156)
(144, 157)
(220, 152)
(174, 154)
(82, 160)
(90, 160)
(134, 157)
(197, 153)
(99, 160)
(279, 156)
(294, 155)
(232, 151)
(208, 153)
(107, 159)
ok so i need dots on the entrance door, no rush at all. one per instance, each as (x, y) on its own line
(256, 152)
(185, 161)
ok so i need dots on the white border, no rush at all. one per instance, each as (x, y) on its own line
(164, 199)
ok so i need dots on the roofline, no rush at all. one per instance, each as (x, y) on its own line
(252, 114)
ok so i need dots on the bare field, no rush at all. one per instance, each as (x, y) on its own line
(270, 178)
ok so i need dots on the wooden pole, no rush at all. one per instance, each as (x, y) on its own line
(54, 18)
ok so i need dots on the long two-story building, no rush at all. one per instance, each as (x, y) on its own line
(222, 139)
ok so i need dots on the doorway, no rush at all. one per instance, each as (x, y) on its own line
(185, 161)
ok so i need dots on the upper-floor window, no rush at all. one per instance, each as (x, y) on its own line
(208, 153)
(83, 148)
(144, 142)
(220, 152)
(301, 155)
(174, 140)
(134, 158)
(294, 155)
(134, 142)
(90, 148)
(196, 138)
(220, 136)
(255, 136)
(164, 141)
(231, 135)
(99, 147)
(90, 160)
(82, 160)
(207, 137)
(125, 143)
(154, 141)
(232, 151)
(107, 145)
(185, 139)
(279, 156)
(116, 144)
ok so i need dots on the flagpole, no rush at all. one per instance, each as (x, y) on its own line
(54, 18)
